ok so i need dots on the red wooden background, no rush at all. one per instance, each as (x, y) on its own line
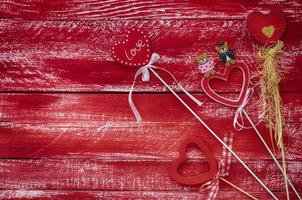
(66, 130)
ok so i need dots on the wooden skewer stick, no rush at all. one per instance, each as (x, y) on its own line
(238, 188)
(214, 134)
(271, 153)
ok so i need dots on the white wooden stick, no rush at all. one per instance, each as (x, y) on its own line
(271, 153)
(214, 134)
(284, 171)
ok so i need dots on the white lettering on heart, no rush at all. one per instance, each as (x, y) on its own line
(133, 52)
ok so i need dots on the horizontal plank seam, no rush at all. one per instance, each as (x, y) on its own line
(193, 160)
(125, 92)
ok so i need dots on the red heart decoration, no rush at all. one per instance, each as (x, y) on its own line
(205, 84)
(196, 179)
(266, 28)
(134, 51)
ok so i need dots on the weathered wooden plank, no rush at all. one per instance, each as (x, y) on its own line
(76, 55)
(103, 126)
(143, 9)
(129, 195)
(73, 107)
(93, 174)
(113, 140)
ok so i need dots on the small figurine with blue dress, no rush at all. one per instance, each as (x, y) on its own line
(227, 56)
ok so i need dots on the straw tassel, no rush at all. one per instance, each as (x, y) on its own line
(270, 76)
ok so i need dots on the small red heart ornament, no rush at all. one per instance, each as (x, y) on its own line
(205, 84)
(134, 51)
(266, 28)
(196, 179)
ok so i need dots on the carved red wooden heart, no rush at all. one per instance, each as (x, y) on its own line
(195, 179)
(134, 51)
(266, 28)
(205, 84)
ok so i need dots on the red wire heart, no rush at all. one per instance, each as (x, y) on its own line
(205, 84)
(195, 179)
